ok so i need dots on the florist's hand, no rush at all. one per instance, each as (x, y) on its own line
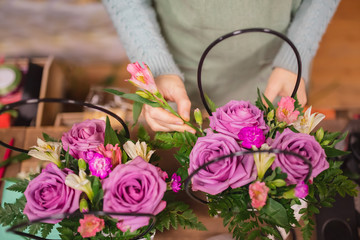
(173, 90)
(281, 83)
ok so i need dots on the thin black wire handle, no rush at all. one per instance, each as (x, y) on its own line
(58, 100)
(78, 214)
(241, 153)
(238, 32)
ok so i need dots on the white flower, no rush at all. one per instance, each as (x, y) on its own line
(80, 182)
(263, 160)
(47, 151)
(138, 149)
(307, 122)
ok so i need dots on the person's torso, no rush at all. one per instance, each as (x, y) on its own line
(236, 67)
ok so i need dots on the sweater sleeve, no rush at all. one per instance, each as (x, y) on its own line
(136, 24)
(305, 31)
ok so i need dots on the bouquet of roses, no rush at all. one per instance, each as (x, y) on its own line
(99, 184)
(260, 166)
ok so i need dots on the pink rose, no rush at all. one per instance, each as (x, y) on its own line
(48, 195)
(302, 144)
(235, 115)
(231, 172)
(84, 136)
(90, 225)
(258, 193)
(285, 112)
(134, 187)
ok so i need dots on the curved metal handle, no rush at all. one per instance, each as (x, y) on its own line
(58, 100)
(238, 32)
(78, 214)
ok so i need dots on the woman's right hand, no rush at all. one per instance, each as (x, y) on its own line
(173, 90)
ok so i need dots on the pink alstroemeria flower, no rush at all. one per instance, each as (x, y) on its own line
(112, 152)
(142, 77)
(90, 225)
(285, 112)
(258, 193)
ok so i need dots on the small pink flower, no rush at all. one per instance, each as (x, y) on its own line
(258, 194)
(112, 152)
(285, 112)
(90, 225)
(301, 190)
(175, 183)
(162, 173)
(99, 165)
(251, 136)
(142, 77)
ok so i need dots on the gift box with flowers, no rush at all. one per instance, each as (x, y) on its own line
(98, 184)
(263, 168)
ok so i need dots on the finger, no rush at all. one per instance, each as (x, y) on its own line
(271, 92)
(163, 126)
(159, 114)
(183, 103)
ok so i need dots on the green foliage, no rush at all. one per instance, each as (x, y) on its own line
(134, 97)
(98, 193)
(19, 186)
(68, 228)
(177, 213)
(15, 159)
(137, 108)
(326, 186)
(47, 138)
(110, 134)
(142, 134)
(210, 103)
(12, 213)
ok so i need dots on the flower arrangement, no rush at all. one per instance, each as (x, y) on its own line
(263, 168)
(98, 184)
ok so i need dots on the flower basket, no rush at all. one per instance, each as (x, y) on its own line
(257, 164)
(98, 184)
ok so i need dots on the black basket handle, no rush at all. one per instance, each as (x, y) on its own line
(13, 229)
(11, 106)
(238, 32)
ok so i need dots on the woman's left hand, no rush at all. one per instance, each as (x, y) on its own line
(281, 83)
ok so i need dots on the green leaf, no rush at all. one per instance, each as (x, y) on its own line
(34, 228)
(46, 229)
(110, 135)
(47, 138)
(333, 152)
(134, 97)
(276, 213)
(15, 159)
(210, 103)
(137, 108)
(270, 105)
(143, 134)
(19, 186)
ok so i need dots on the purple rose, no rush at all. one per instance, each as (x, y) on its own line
(302, 144)
(134, 187)
(251, 136)
(84, 136)
(235, 115)
(47, 195)
(231, 172)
